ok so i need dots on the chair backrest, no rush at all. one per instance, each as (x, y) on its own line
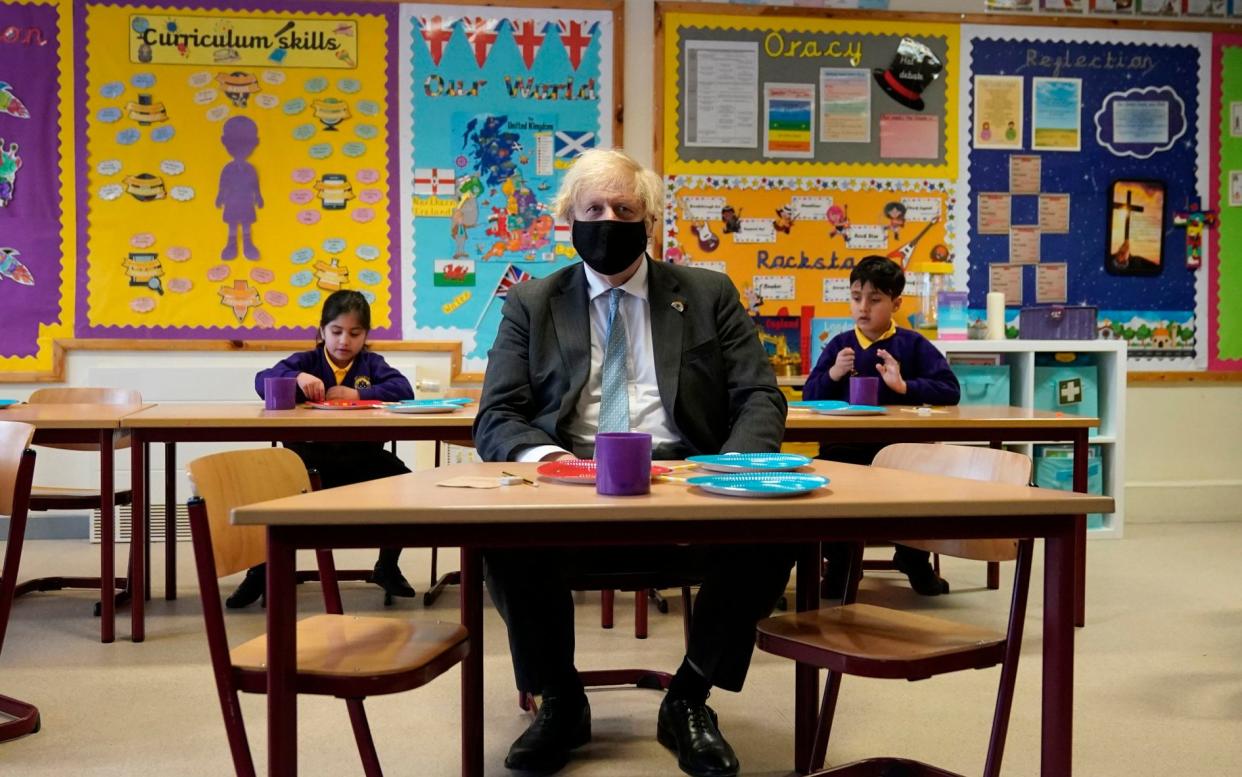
(960, 461)
(86, 395)
(227, 480)
(14, 440)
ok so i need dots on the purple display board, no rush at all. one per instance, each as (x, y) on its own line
(30, 180)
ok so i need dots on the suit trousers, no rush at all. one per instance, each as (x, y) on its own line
(740, 584)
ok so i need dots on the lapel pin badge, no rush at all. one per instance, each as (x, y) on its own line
(679, 306)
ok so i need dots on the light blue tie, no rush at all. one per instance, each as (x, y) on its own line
(614, 406)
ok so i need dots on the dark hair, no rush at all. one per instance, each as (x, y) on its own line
(341, 302)
(884, 275)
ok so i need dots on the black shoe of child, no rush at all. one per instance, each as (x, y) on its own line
(389, 578)
(252, 588)
(923, 579)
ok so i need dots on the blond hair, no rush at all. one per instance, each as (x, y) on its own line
(609, 169)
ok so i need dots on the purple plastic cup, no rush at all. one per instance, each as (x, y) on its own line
(864, 391)
(622, 463)
(280, 393)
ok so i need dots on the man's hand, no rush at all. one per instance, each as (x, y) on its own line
(311, 386)
(890, 370)
(342, 392)
(844, 364)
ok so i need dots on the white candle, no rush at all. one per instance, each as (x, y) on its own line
(996, 315)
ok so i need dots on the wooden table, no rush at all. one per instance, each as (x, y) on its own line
(861, 503)
(250, 422)
(94, 425)
(993, 424)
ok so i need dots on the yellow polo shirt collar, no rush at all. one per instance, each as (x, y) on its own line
(866, 342)
(338, 372)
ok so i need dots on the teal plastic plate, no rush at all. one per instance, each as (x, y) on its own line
(6, 402)
(764, 485)
(750, 462)
(854, 410)
(819, 404)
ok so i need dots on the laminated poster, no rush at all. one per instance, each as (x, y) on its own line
(1054, 213)
(1050, 283)
(994, 213)
(844, 105)
(722, 83)
(1024, 174)
(1056, 114)
(238, 167)
(1024, 245)
(998, 111)
(789, 120)
(1007, 279)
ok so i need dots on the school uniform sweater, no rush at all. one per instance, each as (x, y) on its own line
(929, 381)
(370, 375)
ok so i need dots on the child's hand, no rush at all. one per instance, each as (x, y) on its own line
(343, 392)
(311, 386)
(890, 370)
(844, 364)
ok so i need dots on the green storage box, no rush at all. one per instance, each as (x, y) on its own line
(1068, 386)
(983, 384)
(1054, 468)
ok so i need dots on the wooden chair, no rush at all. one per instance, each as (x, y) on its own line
(16, 472)
(348, 657)
(44, 498)
(870, 641)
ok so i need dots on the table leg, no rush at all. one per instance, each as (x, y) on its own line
(107, 540)
(472, 666)
(806, 677)
(282, 700)
(138, 541)
(1081, 452)
(170, 521)
(1058, 690)
(146, 519)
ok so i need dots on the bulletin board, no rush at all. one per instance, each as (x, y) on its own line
(36, 191)
(236, 166)
(500, 102)
(1090, 107)
(1226, 199)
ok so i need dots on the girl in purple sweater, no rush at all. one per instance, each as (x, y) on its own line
(340, 367)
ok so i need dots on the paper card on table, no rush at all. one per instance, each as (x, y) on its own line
(907, 136)
(1024, 245)
(789, 120)
(844, 105)
(1024, 174)
(994, 213)
(1051, 283)
(1056, 114)
(998, 111)
(1007, 279)
(1054, 213)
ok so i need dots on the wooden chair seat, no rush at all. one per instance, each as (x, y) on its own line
(65, 498)
(362, 649)
(885, 767)
(870, 641)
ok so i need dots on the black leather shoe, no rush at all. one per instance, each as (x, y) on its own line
(253, 587)
(562, 724)
(689, 729)
(392, 581)
(923, 579)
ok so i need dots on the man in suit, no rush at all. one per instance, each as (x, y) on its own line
(619, 342)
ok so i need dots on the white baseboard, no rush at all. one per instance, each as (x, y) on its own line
(1171, 501)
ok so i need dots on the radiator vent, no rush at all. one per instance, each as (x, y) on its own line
(123, 517)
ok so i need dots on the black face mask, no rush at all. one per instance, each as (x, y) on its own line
(608, 247)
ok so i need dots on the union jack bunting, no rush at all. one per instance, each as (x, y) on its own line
(576, 37)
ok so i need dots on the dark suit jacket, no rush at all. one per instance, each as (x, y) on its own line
(715, 381)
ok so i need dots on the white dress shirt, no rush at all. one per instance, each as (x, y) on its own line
(646, 411)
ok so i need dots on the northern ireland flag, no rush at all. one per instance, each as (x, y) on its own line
(482, 35)
(436, 31)
(576, 37)
(569, 144)
(434, 182)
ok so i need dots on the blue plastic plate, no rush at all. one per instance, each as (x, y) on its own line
(763, 485)
(6, 402)
(818, 404)
(750, 462)
(421, 406)
(854, 410)
(448, 401)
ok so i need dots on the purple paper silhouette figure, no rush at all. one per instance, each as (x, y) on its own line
(239, 194)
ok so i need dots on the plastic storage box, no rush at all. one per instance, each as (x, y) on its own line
(1054, 468)
(1057, 322)
(1067, 383)
(983, 384)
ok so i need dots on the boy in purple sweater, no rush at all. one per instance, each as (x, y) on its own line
(911, 372)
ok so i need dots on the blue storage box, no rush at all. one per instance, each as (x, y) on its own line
(1054, 468)
(1068, 384)
(983, 384)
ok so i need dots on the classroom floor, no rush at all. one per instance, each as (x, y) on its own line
(1158, 691)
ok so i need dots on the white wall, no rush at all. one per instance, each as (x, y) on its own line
(1184, 443)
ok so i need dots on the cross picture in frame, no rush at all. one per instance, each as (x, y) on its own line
(1135, 227)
